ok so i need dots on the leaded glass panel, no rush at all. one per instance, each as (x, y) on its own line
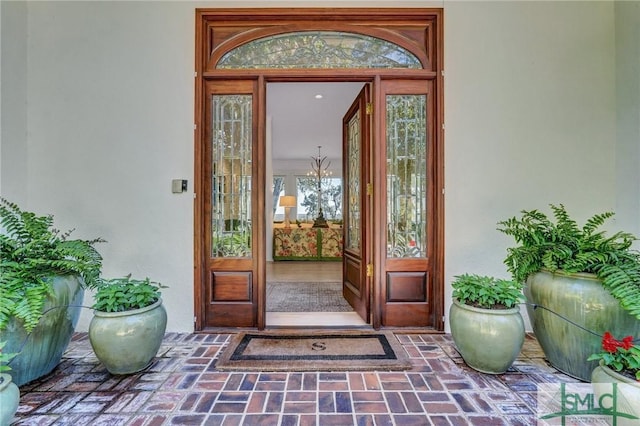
(231, 175)
(318, 49)
(406, 175)
(353, 189)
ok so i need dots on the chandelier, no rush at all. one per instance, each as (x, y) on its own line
(319, 171)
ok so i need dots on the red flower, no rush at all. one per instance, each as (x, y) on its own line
(619, 355)
(609, 344)
(627, 342)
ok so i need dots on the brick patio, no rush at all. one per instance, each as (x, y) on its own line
(183, 387)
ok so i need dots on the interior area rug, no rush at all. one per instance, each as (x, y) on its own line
(317, 351)
(306, 297)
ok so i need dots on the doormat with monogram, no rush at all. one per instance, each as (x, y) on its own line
(322, 351)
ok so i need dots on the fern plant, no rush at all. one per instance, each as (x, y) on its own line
(31, 252)
(561, 244)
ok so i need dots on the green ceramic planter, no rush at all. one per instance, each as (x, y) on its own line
(9, 399)
(47, 342)
(627, 394)
(126, 342)
(489, 340)
(563, 299)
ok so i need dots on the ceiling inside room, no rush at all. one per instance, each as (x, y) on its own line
(301, 123)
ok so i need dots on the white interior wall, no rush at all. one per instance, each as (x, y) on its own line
(529, 106)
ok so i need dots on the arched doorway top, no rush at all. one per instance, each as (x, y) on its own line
(318, 49)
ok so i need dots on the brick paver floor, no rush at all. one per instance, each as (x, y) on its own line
(183, 387)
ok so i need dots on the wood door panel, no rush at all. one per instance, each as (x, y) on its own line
(407, 314)
(231, 314)
(352, 276)
(407, 287)
(231, 287)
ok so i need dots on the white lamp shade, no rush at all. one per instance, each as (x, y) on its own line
(287, 201)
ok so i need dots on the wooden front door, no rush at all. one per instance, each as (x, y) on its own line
(393, 268)
(357, 178)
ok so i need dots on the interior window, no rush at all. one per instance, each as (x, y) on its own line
(278, 191)
(330, 196)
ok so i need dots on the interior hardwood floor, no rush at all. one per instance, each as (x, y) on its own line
(292, 271)
(302, 270)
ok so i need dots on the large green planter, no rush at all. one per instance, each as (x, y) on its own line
(126, 342)
(489, 340)
(41, 350)
(564, 305)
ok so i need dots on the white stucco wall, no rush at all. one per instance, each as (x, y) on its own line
(530, 102)
(13, 101)
(628, 114)
(110, 108)
(530, 119)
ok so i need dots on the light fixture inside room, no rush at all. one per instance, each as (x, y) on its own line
(287, 201)
(319, 171)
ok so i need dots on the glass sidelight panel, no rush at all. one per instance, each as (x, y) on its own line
(352, 240)
(406, 175)
(231, 141)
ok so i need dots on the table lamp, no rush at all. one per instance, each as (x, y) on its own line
(287, 201)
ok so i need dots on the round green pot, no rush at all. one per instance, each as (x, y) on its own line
(41, 351)
(489, 340)
(627, 393)
(126, 342)
(565, 305)
(9, 399)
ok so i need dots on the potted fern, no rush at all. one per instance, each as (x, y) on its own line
(485, 321)
(580, 283)
(43, 274)
(128, 325)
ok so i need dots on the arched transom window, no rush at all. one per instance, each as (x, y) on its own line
(319, 49)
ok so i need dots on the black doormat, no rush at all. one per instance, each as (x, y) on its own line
(344, 351)
(306, 297)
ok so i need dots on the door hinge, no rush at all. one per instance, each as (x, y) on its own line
(369, 269)
(195, 319)
(369, 189)
(369, 108)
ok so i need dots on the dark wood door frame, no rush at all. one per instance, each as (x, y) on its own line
(219, 30)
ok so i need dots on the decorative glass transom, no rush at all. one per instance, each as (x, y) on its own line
(318, 49)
